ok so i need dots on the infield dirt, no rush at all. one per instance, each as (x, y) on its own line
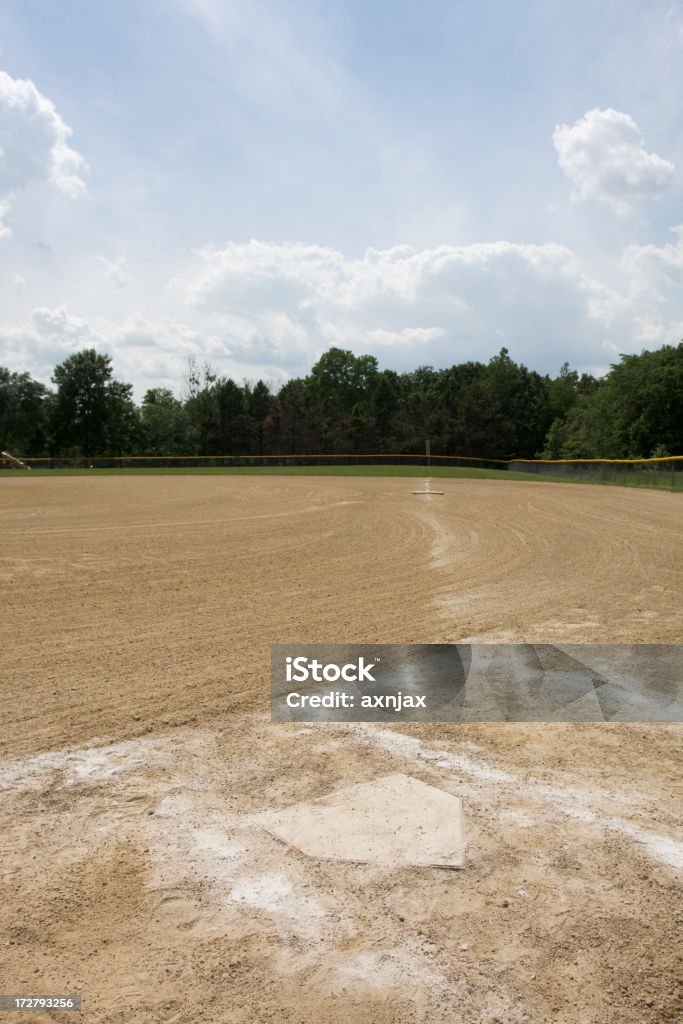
(136, 753)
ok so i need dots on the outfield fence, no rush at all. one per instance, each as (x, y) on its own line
(253, 461)
(663, 473)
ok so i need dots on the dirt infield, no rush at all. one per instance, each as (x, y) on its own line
(136, 751)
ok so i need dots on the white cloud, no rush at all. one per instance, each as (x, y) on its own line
(285, 304)
(116, 271)
(34, 145)
(653, 280)
(147, 352)
(656, 269)
(603, 156)
(19, 284)
(269, 310)
(59, 324)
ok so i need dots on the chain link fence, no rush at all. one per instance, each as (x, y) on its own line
(660, 473)
(262, 461)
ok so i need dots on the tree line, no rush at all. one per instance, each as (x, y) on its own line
(346, 404)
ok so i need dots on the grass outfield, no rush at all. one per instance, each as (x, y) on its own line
(410, 471)
(663, 482)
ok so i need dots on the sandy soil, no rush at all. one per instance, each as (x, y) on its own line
(136, 753)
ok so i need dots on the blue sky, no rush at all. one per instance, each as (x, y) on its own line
(249, 182)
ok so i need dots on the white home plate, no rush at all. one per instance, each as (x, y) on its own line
(395, 820)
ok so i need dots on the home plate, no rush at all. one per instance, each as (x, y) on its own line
(395, 820)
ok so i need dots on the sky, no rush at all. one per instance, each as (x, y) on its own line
(249, 182)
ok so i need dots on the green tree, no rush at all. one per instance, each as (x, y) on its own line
(260, 407)
(293, 431)
(123, 427)
(92, 412)
(165, 424)
(339, 397)
(220, 419)
(23, 413)
(421, 409)
(386, 408)
(635, 409)
(504, 413)
(556, 440)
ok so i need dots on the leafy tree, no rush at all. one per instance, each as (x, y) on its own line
(92, 413)
(648, 398)
(495, 410)
(420, 408)
(502, 409)
(338, 392)
(260, 408)
(293, 432)
(220, 419)
(634, 410)
(556, 440)
(386, 408)
(165, 424)
(23, 420)
(123, 427)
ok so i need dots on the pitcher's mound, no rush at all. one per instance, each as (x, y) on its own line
(395, 821)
